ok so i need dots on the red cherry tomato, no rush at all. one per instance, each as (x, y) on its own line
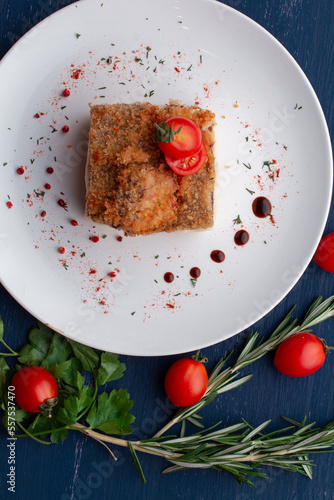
(300, 355)
(186, 382)
(186, 141)
(189, 165)
(33, 387)
(324, 255)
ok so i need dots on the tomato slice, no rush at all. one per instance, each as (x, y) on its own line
(178, 137)
(190, 164)
(324, 255)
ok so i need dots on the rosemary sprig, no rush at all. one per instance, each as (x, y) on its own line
(239, 449)
(222, 380)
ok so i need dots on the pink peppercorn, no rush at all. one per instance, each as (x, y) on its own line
(65, 128)
(66, 93)
(61, 250)
(119, 238)
(112, 274)
(9, 204)
(61, 203)
(74, 222)
(49, 170)
(20, 170)
(47, 186)
(94, 239)
(43, 214)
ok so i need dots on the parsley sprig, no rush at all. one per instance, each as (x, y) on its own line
(71, 364)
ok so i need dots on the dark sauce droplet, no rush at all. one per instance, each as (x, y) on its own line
(169, 277)
(195, 272)
(241, 237)
(261, 207)
(217, 256)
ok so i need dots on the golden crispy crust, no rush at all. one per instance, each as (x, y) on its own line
(130, 186)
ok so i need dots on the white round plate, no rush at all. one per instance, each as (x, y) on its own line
(272, 141)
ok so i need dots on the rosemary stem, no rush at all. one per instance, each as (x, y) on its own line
(166, 427)
(117, 441)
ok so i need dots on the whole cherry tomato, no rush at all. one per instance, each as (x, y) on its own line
(186, 382)
(35, 389)
(178, 137)
(300, 355)
(324, 255)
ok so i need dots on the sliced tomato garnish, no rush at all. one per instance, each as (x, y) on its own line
(190, 164)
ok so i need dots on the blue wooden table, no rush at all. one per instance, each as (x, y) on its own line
(79, 468)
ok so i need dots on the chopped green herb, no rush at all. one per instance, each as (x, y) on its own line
(177, 294)
(156, 256)
(246, 139)
(32, 160)
(267, 164)
(63, 107)
(248, 165)
(53, 129)
(156, 281)
(104, 236)
(237, 220)
(65, 265)
(66, 117)
(200, 58)
(189, 69)
(4, 164)
(250, 191)
(78, 35)
(39, 193)
(134, 312)
(193, 281)
(101, 88)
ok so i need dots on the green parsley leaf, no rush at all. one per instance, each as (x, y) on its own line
(110, 369)
(4, 372)
(68, 371)
(110, 414)
(59, 351)
(88, 357)
(72, 406)
(36, 350)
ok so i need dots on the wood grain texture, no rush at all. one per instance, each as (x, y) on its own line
(81, 469)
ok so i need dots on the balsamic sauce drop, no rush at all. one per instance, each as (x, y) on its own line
(169, 277)
(217, 256)
(261, 207)
(241, 237)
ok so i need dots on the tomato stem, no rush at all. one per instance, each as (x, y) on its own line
(327, 348)
(202, 359)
